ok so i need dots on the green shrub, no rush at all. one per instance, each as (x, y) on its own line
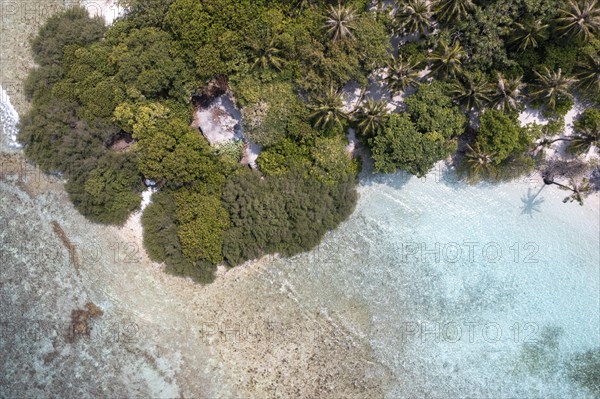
(283, 214)
(162, 244)
(499, 134)
(73, 26)
(109, 192)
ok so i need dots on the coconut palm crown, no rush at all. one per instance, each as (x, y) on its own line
(552, 86)
(450, 11)
(371, 117)
(402, 74)
(480, 163)
(587, 72)
(339, 22)
(415, 16)
(266, 55)
(580, 19)
(529, 34)
(328, 110)
(472, 90)
(508, 93)
(446, 60)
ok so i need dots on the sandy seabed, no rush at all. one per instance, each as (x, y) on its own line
(160, 335)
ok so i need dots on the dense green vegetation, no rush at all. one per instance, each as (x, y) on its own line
(113, 107)
(424, 134)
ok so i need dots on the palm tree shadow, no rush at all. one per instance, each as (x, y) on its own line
(531, 202)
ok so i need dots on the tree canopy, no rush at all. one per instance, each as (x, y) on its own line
(113, 107)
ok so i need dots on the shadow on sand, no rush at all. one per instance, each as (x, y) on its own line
(531, 202)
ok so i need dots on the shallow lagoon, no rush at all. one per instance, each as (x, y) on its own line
(471, 291)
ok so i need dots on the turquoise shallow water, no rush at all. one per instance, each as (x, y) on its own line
(483, 291)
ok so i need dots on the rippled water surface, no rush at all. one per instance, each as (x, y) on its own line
(478, 291)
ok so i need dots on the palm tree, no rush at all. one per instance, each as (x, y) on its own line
(508, 93)
(572, 170)
(266, 55)
(402, 74)
(480, 163)
(371, 117)
(552, 86)
(588, 73)
(446, 60)
(580, 19)
(339, 22)
(579, 190)
(529, 34)
(584, 139)
(472, 90)
(415, 16)
(449, 11)
(328, 110)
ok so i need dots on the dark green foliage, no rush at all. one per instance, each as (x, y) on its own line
(585, 369)
(146, 13)
(281, 158)
(160, 229)
(268, 109)
(202, 220)
(499, 134)
(73, 26)
(588, 120)
(169, 150)
(416, 140)
(69, 128)
(162, 242)
(373, 42)
(432, 111)
(587, 132)
(400, 145)
(557, 56)
(283, 214)
(499, 152)
(587, 70)
(58, 141)
(112, 107)
(91, 96)
(414, 51)
(482, 36)
(109, 191)
(145, 60)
